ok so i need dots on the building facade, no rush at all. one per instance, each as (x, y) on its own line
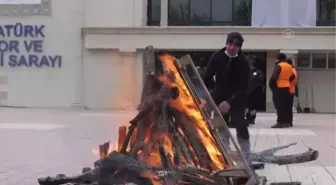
(87, 53)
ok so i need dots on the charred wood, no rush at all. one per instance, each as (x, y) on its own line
(87, 177)
(182, 146)
(268, 156)
(165, 93)
(104, 149)
(121, 137)
(117, 168)
(127, 138)
(164, 158)
(177, 153)
(307, 156)
(140, 136)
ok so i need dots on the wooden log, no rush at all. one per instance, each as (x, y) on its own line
(163, 157)
(103, 150)
(139, 142)
(121, 137)
(268, 156)
(307, 156)
(189, 131)
(117, 167)
(166, 93)
(127, 138)
(90, 176)
(181, 146)
(151, 86)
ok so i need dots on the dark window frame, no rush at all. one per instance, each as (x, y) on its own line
(320, 10)
(331, 62)
(151, 20)
(315, 64)
(302, 57)
(236, 20)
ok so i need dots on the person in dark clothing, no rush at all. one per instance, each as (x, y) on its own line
(293, 91)
(202, 68)
(256, 80)
(231, 69)
(280, 86)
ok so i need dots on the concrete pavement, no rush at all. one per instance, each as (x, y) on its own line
(36, 143)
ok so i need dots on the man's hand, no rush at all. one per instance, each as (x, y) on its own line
(224, 107)
(203, 102)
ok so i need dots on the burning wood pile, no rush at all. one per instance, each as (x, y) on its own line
(173, 140)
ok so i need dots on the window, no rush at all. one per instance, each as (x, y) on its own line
(303, 60)
(221, 11)
(200, 11)
(242, 12)
(209, 12)
(332, 60)
(153, 12)
(178, 12)
(319, 60)
(325, 13)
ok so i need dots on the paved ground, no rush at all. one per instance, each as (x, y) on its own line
(36, 143)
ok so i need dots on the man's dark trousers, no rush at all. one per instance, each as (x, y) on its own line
(235, 117)
(290, 113)
(284, 106)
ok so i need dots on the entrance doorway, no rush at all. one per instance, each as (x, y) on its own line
(200, 57)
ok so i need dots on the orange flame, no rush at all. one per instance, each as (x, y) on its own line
(185, 103)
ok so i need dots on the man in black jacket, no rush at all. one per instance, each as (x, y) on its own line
(256, 80)
(231, 70)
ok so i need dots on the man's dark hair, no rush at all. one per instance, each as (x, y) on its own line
(235, 36)
(290, 61)
(282, 57)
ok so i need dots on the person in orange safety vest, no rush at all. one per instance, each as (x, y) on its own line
(280, 84)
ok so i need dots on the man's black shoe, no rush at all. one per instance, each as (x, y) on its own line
(258, 166)
(280, 125)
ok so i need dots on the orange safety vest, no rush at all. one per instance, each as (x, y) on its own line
(293, 83)
(285, 74)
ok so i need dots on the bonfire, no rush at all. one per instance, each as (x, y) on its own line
(174, 138)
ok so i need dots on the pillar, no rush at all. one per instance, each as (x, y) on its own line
(130, 90)
(3, 88)
(79, 81)
(164, 13)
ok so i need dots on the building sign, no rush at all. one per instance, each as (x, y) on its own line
(20, 2)
(22, 46)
